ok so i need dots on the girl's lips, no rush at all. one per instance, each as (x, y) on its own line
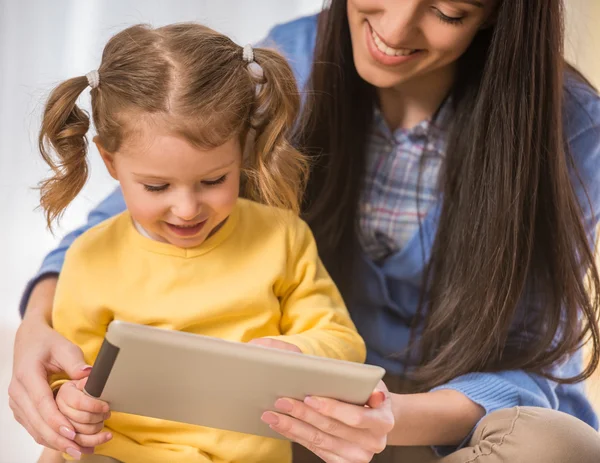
(186, 231)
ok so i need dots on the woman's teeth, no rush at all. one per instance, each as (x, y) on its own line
(383, 48)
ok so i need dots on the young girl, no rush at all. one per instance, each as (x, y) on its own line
(184, 116)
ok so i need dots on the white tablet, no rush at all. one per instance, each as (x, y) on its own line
(211, 382)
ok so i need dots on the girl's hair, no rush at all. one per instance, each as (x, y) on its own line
(510, 242)
(195, 82)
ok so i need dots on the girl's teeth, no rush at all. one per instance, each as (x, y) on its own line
(389, 51)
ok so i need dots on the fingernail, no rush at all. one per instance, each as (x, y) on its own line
(109, 436)
(107, 416)
(86, 368)
(284, 405)
(313, 403)
(66, 432)
(74, 453)
(270, 418)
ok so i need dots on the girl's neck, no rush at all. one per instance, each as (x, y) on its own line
(416, 100)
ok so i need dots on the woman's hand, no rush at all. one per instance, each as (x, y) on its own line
(39, 352)
(335, 431)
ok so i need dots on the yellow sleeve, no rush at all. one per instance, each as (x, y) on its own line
(314, 316)
(78, 314)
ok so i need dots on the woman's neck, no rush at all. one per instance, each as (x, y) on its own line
(410, 103)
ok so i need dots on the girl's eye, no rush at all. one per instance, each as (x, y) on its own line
(455, 21)
(156, 188)
(215, 182)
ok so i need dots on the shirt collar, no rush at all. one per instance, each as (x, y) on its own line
(433, 132)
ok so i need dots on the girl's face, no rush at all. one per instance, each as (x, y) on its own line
(397, 41)
(177, 192)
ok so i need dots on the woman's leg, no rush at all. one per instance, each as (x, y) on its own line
(530, 434)
(519, 435)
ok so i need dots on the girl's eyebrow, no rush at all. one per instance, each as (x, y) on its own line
(156, 177)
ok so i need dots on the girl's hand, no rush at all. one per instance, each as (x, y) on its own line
(86, 414)
(275, 344)
(335, 431)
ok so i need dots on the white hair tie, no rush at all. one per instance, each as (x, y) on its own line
(248, 53)
(93, 78)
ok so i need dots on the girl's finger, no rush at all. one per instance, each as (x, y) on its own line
(78, 400)
(81, 417)
(88, 429)
(93, 440)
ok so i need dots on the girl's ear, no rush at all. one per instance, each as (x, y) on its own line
(108, 158)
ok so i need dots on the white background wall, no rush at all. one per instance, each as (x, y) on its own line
(583, 37)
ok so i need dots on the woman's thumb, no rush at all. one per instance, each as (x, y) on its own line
(379, 395)
(69, 358)
(81, 383)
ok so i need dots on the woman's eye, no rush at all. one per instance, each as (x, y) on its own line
(455, 21)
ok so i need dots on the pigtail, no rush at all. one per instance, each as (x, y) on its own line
(63, 132)
(275, 172)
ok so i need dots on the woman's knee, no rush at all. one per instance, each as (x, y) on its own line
(532, 434)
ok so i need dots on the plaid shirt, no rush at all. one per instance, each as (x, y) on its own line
(391, 206)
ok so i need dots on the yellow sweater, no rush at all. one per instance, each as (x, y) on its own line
(259, 275)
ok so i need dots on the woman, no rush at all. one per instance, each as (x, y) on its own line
(454, 201)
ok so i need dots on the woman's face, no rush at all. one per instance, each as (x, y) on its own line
(397, 41)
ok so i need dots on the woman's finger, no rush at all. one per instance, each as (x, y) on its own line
(23, 421)
(324, 455)
(40, 430)
(376, 419)
(314, 439)
(371, 441)
(379, 396)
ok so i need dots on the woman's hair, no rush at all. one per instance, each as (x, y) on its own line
(195, 82)
(510, 244)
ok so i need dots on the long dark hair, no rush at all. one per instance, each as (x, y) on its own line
(510, 238)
